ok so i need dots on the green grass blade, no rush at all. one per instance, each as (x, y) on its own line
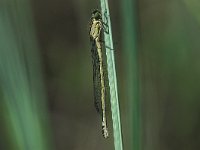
(20, 79)
(112, 78)
(129, 34)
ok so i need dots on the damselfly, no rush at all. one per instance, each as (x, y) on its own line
(96, 36)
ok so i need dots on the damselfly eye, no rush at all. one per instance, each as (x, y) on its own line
(96, 14)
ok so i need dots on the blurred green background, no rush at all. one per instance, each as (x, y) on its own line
(46, 75)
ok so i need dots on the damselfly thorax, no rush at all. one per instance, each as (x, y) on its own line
(96, 28)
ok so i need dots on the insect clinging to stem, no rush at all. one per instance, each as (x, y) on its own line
(96, 38)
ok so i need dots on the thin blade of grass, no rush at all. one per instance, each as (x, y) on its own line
(23, 97)
(112, 77)
(129, 34)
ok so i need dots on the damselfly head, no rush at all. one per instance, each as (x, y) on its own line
(96, 14)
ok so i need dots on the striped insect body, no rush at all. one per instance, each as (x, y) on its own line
(96, 32)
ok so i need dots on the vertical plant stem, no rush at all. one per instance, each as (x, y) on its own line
(129, 33)
(112, 77)
(20, 79)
